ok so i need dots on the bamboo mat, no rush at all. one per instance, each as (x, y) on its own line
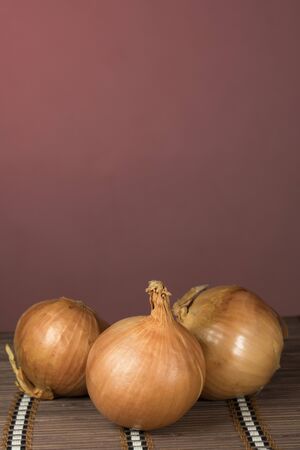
(271, 420)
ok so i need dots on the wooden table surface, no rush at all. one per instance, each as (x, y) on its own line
(75, 424)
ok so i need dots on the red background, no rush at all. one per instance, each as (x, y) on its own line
(146, 140)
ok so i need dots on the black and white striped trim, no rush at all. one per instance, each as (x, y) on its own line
(254, 433)
(135, 439)
(248, 423)
(19, 427)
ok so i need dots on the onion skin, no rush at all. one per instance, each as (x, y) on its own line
(51, 342)
(146, 372)
(241, 337)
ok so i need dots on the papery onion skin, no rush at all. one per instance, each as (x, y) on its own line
(146, 372)
(51, 342)
(241, 336)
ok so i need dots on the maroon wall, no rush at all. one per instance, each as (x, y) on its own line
(146, 140)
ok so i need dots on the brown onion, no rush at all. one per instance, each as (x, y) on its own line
(51, 342)
(146, 372)
(241, 337)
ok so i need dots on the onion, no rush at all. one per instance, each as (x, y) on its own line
(146, 372)
(241, 337)
(51, 342)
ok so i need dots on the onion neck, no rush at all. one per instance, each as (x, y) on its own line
(160, 302)
(181, 307)
(23, 383)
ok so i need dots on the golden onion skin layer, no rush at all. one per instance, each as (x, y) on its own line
(241, 337)
(52, 341)
(145, 372)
